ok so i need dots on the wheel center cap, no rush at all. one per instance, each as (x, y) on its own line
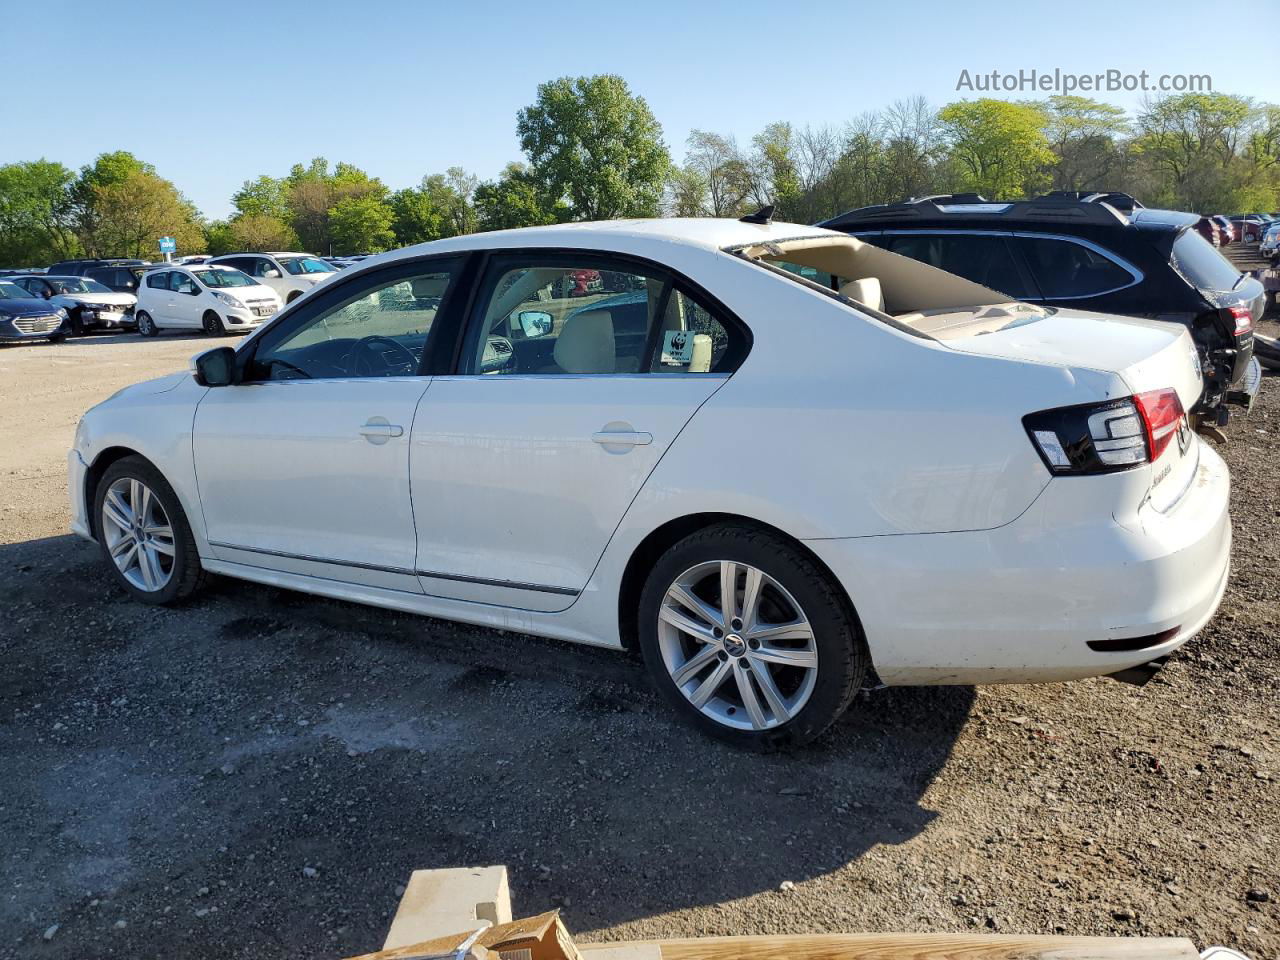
(734, 645)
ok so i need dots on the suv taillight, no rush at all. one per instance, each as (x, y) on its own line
(1241, 317)
(1105, 437)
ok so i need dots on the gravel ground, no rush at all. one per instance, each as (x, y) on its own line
(256, 773)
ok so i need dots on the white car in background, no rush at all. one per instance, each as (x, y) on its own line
(773, 457)
(215, 299)
(88, 303)
(288, 274)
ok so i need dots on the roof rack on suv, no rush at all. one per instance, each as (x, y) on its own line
(1123, 202)
(1095, 208)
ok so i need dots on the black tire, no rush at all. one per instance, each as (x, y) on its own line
(842, 655)
(293, 295)
(147, 326)
(58, 338)
(186, 575)
(77, 324)
(213, 325)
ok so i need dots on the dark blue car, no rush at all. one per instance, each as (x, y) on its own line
(24, 317)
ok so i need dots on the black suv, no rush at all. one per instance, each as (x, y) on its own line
(1080, 251)
(94, 267)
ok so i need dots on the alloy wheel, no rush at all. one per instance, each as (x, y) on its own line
(737, 645)
(138, 534)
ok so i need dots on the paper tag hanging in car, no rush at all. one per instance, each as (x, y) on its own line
(677, 348)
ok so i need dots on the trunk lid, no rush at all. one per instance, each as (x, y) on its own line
(1146, 354)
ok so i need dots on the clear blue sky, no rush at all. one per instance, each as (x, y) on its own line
(405, 88)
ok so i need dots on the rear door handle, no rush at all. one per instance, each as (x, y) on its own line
(379, 430)
(630, 438)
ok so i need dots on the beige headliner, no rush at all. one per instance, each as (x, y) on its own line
(909, 286)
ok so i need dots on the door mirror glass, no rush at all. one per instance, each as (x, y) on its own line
(535, 323)
(215, 368)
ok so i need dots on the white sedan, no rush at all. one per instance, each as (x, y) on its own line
(773, 457)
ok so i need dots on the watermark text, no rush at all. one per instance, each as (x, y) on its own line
(1060, 81)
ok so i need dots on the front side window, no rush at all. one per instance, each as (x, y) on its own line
(1064, 269)
(377, 331)
(179, 282)
(588, 319)
(303, 265)
(982, 259)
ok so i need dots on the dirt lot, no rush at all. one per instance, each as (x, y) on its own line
(255, 774)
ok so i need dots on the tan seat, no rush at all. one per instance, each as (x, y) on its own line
(586, 344)
(867, 290)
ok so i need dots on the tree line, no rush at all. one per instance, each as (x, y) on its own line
(593, 150)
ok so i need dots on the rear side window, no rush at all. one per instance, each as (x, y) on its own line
(1203, 266)
(984, 260)
(158, 281)
(1064, 269)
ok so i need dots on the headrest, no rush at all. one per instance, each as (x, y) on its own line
(867, 290)
(586, 344)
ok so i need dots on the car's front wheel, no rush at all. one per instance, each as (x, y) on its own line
(144, 534)
(749, 638)
(213, 324)
(146, 326)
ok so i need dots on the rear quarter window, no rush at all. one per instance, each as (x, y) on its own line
(1204, 267)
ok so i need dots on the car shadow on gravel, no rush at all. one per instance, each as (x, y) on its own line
(227, 744)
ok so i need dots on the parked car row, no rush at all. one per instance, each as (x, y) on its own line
(229, 293)
(1084, 253)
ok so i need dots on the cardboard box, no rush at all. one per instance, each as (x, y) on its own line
(543, 937)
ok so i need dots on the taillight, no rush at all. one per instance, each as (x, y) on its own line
(1105, 437)
(1161, 414)
(1241, 316)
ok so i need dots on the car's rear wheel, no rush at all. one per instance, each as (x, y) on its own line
(144, 534)
(213, 324)
(146, 326)
(749, 638)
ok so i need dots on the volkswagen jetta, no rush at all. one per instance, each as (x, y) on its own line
(775, 458)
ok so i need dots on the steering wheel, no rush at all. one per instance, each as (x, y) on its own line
(363, 357)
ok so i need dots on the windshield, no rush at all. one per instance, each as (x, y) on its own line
(11, 291)
(224, 277)
(301, 265)
(77, 285)
(1201, 264)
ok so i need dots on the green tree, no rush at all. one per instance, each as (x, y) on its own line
(687, 192)
(999, 148)
(361, 223)
(256, 232)
(452, 194)
(133, 213)
(414, 218)
(36, 213)
(594, 146)
(264, 197)
(1083, 133)
(513, 201)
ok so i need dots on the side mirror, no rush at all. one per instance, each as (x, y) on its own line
(47, 294)
(215, 368)
(271, 273)
(535, 323)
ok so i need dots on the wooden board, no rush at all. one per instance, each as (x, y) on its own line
(907, 946)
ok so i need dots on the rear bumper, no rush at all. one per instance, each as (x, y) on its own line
(1020, 603)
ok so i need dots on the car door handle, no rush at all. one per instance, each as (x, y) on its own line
(630, 438)
(378, 430)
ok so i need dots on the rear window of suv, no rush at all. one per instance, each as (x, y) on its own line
(1204, 267)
